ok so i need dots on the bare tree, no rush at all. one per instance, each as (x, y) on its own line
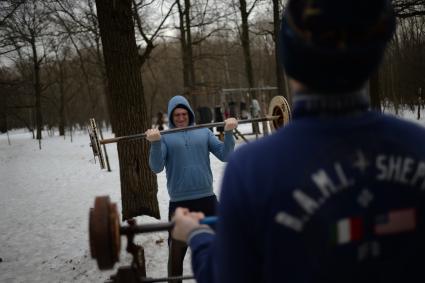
(25, 30)
(138, 183)
(189, 78)
(281, 80)
(78, 21)
(16, 101)
(245, 12)
(8, 8)
(404, 9)
(150, 33)
(409, 8)
(57, 69)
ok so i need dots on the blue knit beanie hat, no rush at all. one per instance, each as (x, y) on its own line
(334, 45)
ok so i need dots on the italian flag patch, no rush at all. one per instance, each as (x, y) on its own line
(348, 230)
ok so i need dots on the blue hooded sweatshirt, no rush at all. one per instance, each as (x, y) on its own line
(186, 156)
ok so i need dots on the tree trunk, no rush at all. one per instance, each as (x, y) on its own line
(246, 47)
(138, 183)
(187, 51)
(102, 69)
(186, 76)
(37, 88)
(276, 24)
(247, 57)
(3, 113)
(61, 97)
(282, 79)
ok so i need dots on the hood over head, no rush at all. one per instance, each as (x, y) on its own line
(179, 101)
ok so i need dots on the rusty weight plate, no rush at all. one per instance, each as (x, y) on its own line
(104, 235)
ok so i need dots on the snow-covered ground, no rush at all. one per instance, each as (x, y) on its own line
(45, 196)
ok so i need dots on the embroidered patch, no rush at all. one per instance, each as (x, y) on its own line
(348, 230)
(395, 222)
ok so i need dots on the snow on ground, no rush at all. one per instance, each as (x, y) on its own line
(45, 196)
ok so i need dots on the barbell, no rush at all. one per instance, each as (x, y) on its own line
(279, 114)
(105, 231)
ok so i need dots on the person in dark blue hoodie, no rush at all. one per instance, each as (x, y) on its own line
(337, 195)
(186, 158)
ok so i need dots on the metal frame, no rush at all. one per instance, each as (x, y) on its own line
(95, 142)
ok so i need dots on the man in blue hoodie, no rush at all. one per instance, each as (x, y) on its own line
(186, 158)
(337, 195)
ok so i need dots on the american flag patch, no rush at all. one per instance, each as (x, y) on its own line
(395, 222)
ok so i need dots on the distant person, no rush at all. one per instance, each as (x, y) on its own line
(255, 113)
(255, 108)
(337, 195)
(186, 157)
(244, 111)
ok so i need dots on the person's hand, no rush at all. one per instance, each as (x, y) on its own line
(153, 135)
(184, 223)
(230, 124)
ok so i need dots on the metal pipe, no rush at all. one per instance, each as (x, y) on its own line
(174, 130)
(166, 279)
(155, 227)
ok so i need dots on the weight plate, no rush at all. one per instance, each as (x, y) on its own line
(114, 221)
(279, 107)
(102, 246)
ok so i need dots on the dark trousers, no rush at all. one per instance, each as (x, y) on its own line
(177, 249)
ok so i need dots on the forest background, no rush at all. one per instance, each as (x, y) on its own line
(63, 62)
(53, 74)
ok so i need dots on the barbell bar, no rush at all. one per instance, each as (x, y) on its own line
(279, 114)
(188, 128)
(105, 231)
(157, 227)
